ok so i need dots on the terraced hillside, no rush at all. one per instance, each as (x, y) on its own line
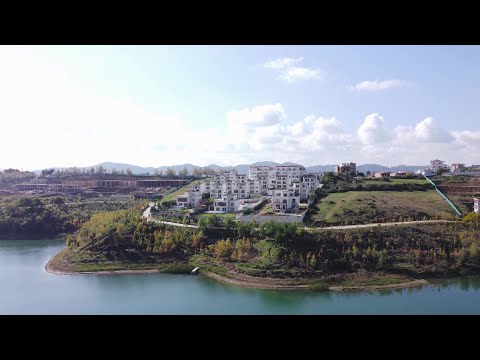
(459, 189)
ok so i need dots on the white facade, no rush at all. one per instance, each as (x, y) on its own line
(456, 167)
(437, 165)
(189, 199)
(476, 205)
(285, 199)
(225, 204)
(229, 189)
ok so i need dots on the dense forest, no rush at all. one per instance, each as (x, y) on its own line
(46, 216)
(285, 249)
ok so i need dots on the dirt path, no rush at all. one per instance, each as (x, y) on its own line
(243, 280)
(407, 284)
(379, 224)
(254, 282)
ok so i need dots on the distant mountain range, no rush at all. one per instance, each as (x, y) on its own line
(243, 168)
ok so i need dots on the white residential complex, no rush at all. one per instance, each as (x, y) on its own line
(286, 185)
(476, 205)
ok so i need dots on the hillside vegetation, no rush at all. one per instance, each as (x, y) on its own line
(123, 240)
(48, 216)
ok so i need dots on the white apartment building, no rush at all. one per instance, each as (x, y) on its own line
(189, 199)
(456, 167)
(229, 187)
(285, 199)
(437, 165)
(224, 204)
(476, 205)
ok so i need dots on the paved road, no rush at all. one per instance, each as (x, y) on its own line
(381, 224)
(148, 216)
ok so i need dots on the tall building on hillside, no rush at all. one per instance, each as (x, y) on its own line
(346, 168)
(456, 167)
(437, 165)
(476, 205)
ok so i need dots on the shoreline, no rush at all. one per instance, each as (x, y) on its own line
(245, 281)
(262, 283)
(49, 269)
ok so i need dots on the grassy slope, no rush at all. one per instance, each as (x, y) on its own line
(396, 181)
(173, 196)
(387, 205)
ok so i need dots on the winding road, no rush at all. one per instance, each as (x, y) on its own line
(147, 214)
(380, 224)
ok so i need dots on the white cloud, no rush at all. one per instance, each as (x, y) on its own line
(372, 130)
(282, 63)
(425, 131)
(295, 73)
(468, 139)
(261, 115)
(275, 138)
(290, 72)
(378, 85)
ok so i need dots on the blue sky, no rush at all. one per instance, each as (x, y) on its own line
(165, 105)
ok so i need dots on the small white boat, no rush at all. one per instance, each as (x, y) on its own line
(195, 271)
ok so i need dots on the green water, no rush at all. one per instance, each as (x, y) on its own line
(25, 288)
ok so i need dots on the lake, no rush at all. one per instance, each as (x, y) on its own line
(25, 288)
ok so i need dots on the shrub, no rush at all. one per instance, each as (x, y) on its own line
(319, 287)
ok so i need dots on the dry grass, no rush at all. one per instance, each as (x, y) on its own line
(370, 206)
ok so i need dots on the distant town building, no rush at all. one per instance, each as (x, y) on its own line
(456, 167)
(345, 168)
(476, 205)
(382, 175)
(399, 174)
(437, 165)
